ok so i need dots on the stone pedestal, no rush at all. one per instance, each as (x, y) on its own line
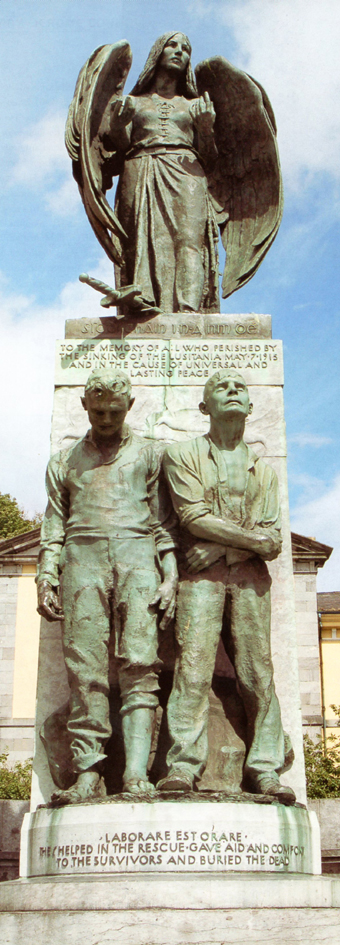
(185, 836)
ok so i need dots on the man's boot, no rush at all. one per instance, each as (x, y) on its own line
(137, 732)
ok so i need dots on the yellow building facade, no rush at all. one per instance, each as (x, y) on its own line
(329, 632)
(19, 644)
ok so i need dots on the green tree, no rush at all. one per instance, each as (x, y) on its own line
(322, 763)
(13, 519)
(15, 781)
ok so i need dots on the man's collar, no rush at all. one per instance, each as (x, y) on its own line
(252, 458)
(126, 433)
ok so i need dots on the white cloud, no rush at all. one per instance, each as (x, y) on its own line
(309, 486)
(202, 9)
(41, 152)
(28, 335)
(321, 517)
(292, 48)
(65, 200)
(303, 240)
(44, 166)
(310, 439)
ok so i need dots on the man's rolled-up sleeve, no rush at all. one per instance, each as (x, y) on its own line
(162, 516)
(271, 514)
(54, 523)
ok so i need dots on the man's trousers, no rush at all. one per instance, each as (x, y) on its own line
(234, 601)
(107, 586)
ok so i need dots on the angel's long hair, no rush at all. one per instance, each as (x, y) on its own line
(186, 82)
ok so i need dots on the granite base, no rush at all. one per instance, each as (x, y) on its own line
(171, 910)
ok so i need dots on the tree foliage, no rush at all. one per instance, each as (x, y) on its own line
(13, 519)
(322, 764)
(15, 782)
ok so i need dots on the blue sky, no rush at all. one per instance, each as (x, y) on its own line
(292, 48)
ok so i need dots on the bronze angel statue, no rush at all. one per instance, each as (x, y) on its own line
(194, 154)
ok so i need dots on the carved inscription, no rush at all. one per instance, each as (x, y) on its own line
(167, 326)
(143, 360)
(171, 837)
(189, 361)
(170, 362)
(130, 850)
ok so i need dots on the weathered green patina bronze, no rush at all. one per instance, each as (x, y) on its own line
(107, 538)
(194, 154)
(227, 502)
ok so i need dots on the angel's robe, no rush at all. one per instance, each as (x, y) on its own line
(164, 206)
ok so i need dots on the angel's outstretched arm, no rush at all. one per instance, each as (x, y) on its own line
(121, 114)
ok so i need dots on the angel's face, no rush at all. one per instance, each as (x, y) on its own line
(176, 54)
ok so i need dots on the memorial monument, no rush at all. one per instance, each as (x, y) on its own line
(194, 154)
(162, 745)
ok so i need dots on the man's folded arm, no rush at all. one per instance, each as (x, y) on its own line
(188, 498)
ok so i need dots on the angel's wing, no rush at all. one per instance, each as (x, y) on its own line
(99, 83)
(246, 180)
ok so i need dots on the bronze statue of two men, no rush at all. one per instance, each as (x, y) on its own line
(109, 540)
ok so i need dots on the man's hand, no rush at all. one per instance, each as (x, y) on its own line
(165, 597)
(270, 543)
(203, 115)
(203, 554)
(48, 602)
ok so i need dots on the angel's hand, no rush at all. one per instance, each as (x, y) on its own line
(203, 554)
(122, 111)
(203, 115)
